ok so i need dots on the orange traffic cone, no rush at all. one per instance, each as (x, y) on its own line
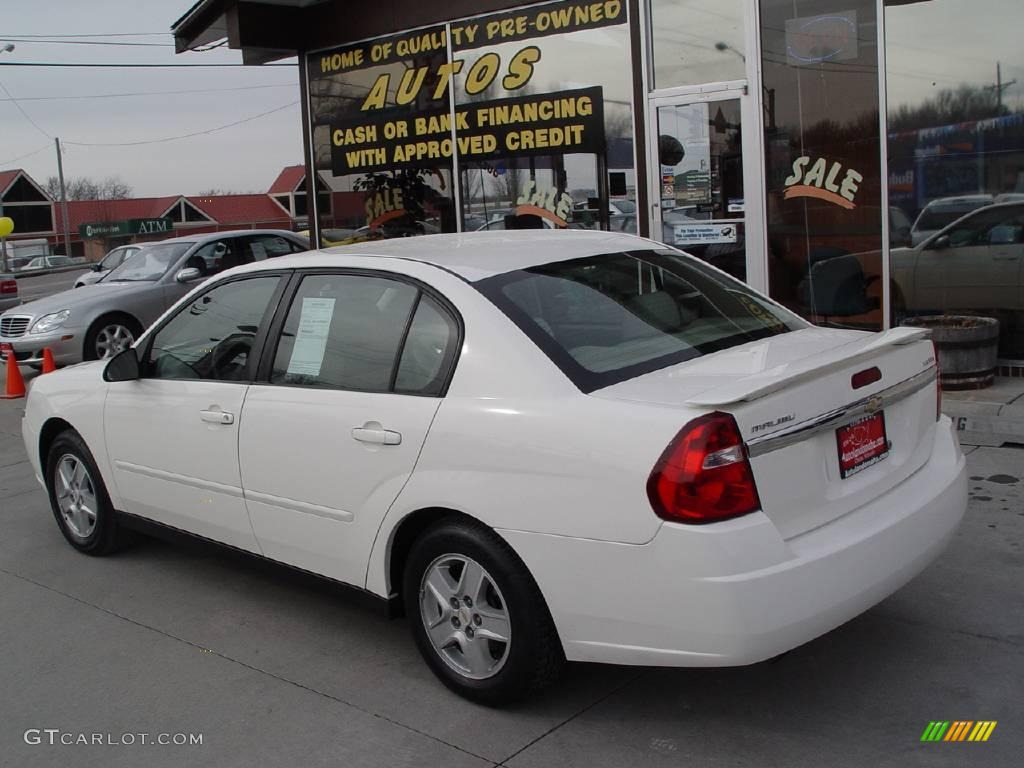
(48, 365)
(15, 384)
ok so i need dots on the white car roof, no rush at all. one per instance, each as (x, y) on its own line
(477, 255)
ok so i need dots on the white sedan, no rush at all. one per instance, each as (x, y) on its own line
(542, 445)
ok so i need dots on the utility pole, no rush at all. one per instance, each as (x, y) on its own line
(63, 201)
(3, 245)
(1000, 85)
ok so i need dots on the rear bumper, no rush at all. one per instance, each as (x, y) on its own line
(736, 593)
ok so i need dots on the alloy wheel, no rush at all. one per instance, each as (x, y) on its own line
(465, 616)
(112, 339)
(76, 496)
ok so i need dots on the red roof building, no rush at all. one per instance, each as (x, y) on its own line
(37, 215)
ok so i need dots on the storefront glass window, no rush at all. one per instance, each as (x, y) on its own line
(820, 64)
(364, 100)
(697, 41)
(533, 104)
(955, 87)
(557, 114)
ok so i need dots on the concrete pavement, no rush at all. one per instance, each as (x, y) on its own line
(31, 287)
(277, 669)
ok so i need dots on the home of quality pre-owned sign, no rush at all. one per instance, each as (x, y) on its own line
(521, 126)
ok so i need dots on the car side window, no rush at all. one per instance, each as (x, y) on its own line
(212, 336)
(344, 331)
(428, 351)
(364, 333)
(268, 246)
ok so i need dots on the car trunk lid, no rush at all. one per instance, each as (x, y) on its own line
(791, 393)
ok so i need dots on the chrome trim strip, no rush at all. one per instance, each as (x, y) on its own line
(784, 438)
(328, 513)
(174, 477)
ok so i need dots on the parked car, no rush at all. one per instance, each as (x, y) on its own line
(101, 268)
(943, 212)
(8, 292)
(974, 265)
(99, 320)
(544, 446)
(48, 262)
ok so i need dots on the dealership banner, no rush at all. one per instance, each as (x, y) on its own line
(569, 121)
(524, 24)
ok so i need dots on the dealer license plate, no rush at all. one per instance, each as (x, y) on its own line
(861, 444)
(5, 349)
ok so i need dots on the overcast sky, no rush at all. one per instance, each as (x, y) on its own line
(245, 157)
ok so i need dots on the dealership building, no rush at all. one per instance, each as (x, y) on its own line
(813, 148)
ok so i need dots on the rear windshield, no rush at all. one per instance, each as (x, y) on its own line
(605, 319)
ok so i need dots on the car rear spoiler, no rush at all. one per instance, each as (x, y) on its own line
(771, 380)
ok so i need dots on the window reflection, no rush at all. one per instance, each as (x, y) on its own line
(589, 71)
(820, 64)
(697, 41)
(955, 82)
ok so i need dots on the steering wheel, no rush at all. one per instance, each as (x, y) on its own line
(226, 351)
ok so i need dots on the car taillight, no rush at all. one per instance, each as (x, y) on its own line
(8, 286)
(704, 475)
(938, 383)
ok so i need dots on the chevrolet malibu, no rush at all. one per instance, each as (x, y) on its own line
(542, 446)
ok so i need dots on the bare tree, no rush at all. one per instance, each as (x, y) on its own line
(949, 106)
(85, 188)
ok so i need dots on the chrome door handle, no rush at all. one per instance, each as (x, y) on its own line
(377, 436)
(217, 416)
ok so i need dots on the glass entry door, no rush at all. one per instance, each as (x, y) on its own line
(700, 199)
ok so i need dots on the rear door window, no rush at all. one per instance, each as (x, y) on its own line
(605, 319)
(365, 333)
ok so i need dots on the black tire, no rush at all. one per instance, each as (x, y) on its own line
(89, 351)
(534, 654)
(105, 536)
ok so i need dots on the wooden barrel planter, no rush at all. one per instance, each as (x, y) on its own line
(967, 346)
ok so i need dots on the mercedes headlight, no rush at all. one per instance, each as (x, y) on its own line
(50, 322)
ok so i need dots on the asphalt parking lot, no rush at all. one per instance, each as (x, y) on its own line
(277, 669)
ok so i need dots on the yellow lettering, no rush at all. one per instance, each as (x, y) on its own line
(482, 73)
(520, 68)
(378, 95)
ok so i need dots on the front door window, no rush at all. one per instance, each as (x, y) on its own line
(213, 336)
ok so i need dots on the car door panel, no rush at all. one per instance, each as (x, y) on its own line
(315, 494)
(172, 435)
(172, 466)
(329, 439)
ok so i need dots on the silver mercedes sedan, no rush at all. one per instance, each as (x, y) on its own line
(98, 321)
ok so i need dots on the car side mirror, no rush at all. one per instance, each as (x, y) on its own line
(187, 275)
(124, 366)
(96, 267)
(940, 243)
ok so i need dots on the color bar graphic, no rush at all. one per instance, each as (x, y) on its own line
(958, 730)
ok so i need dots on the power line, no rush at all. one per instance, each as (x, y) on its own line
(150, 93)
(183, 136)
(132, 66)
(105, 34)
(42, 41)
(24, 113)
(27, 154)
